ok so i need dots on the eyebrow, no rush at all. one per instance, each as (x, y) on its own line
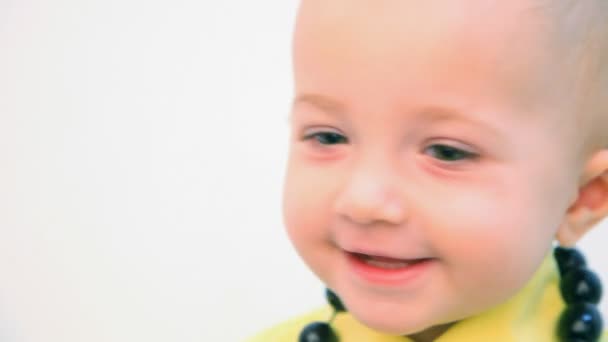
(323, 103)
(427, 114)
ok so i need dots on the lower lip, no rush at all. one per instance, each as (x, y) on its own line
(388, 277)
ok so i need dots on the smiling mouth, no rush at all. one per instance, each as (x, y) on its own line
(386, 262)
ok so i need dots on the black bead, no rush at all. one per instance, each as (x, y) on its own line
(318, 332)
(334, 300)
(581, 285)
(580, 321)
(568, 259)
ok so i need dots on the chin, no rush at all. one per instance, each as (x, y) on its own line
(397, 326)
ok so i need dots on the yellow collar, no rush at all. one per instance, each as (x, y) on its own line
(530, 315)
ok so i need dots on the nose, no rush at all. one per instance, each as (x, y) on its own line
(371, 195)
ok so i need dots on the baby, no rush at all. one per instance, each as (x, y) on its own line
(439, 149)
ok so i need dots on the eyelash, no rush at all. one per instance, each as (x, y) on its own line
(446, 148)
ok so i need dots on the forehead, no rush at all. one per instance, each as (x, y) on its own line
(487, 48)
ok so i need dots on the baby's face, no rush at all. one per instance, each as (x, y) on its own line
(431, 131)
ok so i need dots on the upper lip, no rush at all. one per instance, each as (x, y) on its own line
(382, 254)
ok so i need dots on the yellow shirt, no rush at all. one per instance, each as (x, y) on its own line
(529, 316)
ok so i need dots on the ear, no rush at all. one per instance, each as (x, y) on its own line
(591, 204)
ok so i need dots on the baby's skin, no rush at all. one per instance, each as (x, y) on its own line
(462, 138)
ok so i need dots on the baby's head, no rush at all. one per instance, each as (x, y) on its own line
(466, 134)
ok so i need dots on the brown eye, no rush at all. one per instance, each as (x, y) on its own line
(327, 138)
(449, 153)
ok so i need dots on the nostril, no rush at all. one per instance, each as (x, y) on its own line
(361, 221)
(374, 220)
(368, 210)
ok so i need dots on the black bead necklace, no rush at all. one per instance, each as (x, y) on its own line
(322, 331)
(580, 288)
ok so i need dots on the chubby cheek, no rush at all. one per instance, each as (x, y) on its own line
(307, 217)
(497, 236)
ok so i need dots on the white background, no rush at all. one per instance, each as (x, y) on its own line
(142, 151)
